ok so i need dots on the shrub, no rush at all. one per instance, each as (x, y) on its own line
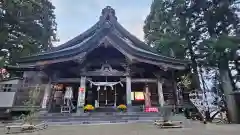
(122, 107)
(89, 108)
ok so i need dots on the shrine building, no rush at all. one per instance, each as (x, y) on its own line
(104, 66)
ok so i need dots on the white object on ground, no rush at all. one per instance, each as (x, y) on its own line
(23, 127)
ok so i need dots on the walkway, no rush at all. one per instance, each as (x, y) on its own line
(195, 128)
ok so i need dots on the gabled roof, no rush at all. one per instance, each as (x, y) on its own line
(106, 28)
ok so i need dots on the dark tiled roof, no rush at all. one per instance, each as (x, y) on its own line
(107, 26)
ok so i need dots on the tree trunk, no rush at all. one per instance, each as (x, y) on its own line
(231, 79)
(237, 64)
(228, 89)
(194, 66)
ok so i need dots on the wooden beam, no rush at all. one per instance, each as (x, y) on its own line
(141, 80)
(66, 80)
(77, 80)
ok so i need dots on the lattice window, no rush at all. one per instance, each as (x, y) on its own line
(6, 87)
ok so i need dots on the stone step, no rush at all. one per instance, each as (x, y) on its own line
(99, 113)
(105, 120)
(98, 122)
(106, 109)
(113, 120)
(97, 117)
(92, 116)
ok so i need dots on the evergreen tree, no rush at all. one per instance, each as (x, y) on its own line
(209, 28)
(176, 27)
(26, 27)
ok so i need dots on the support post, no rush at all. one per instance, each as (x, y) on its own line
(47, 94)
(81, 92)
(175, 92)
(128, 91)
(160, 92)
(147, 95)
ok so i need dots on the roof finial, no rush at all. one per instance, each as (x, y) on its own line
(108, 13)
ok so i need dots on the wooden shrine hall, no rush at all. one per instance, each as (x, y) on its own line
(104, 66)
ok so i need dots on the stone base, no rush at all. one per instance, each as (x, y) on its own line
(134, 109)
(42, 112)
(80, 110)
(130, 108)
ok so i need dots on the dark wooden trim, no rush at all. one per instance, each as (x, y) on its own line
(141, 80)
(66, 80)
(77, 80)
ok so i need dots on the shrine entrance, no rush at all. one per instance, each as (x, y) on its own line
(109, 92)
(106, 97)
(111, 97)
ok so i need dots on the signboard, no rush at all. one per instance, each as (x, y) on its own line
(151, 109)
(137, 96)
(81, 96)
(132, 95)
(81, 89)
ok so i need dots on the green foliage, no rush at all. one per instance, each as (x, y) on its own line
(215, 51)
(162, 28)
(171, 46)
(26, 27)
(175, 27)
(205, 31)
(31, 103)
(185, 81)
(2, 61)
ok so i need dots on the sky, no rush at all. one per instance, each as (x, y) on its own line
(75, 16)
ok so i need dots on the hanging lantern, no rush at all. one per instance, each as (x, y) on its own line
(105, 88)
(98, 88)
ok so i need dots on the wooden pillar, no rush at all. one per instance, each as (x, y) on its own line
(81, 92)
(175, 90)
(47, 94)
(160, 92)
(128, 91)
(147, 95)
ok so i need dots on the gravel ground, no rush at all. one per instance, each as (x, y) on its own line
(195, 128)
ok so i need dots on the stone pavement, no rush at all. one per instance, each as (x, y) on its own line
(195, 128)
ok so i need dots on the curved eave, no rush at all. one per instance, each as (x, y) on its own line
(144, 55)
(134, 39)
(69, 52)
(75, 41)
(86, 47)
(79, 38)
(141, 44)
(94, 35)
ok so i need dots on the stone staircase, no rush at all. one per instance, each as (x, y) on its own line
(101, 118)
